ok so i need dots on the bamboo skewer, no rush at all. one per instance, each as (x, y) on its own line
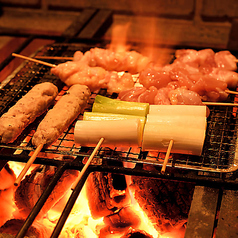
(58, 57)
(166, 159)
(231, 92)
(220, 104)
(53, 57)
(28, 164)
(34, 60)
(88, 162)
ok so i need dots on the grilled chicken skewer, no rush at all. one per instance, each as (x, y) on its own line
(119, 84)
(59, 118)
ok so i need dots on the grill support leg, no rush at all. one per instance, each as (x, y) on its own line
(228, 216)
(202, 212)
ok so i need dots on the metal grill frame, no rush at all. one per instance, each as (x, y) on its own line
(199, 174)
(221, 136)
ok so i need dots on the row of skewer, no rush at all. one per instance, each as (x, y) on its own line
(39, 148)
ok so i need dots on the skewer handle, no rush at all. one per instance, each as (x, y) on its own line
(88, 162)
(34, 60)
(166, 159)
(28, 164)
(220, 104)
(54, 57)
(231, 92)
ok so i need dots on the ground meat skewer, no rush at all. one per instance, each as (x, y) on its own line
(65, 111)
(25, 111)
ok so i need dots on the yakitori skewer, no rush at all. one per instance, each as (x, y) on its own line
(166, 159)
(34, 60)
(69, 58)
(28, 164)
(134, 76)
(53, 57)
(97, 147)
(231, 92)
(220, 104)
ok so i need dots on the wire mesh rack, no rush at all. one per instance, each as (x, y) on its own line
(219, 151)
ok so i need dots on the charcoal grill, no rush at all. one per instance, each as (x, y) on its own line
(217, 164)
(216, 168)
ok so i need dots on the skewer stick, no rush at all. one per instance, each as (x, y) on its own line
(231, 92)
(220, 104)
(53, 57)
(34, 60)
(71, 58)
(28, 164)
(88, 162)
(166, 159)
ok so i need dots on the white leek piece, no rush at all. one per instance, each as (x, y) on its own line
(171, 110)
(186, 140)
(190, 121)
(116, 132)
(184, 124)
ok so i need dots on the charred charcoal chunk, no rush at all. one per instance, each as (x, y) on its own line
(126, 217)
(105, 196)
(166, 203)
(12, 227)
(31, 188)
(132, 233)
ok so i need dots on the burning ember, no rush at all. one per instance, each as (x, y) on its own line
(106, 207)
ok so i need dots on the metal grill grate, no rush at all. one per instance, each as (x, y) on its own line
(219, 152)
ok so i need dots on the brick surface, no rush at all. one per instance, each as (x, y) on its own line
(172, 22)
(20, 2)
(36, 21)
(220, 8)
(158, 7)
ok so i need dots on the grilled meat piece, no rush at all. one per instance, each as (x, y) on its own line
(66, 110)
(25, 111)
